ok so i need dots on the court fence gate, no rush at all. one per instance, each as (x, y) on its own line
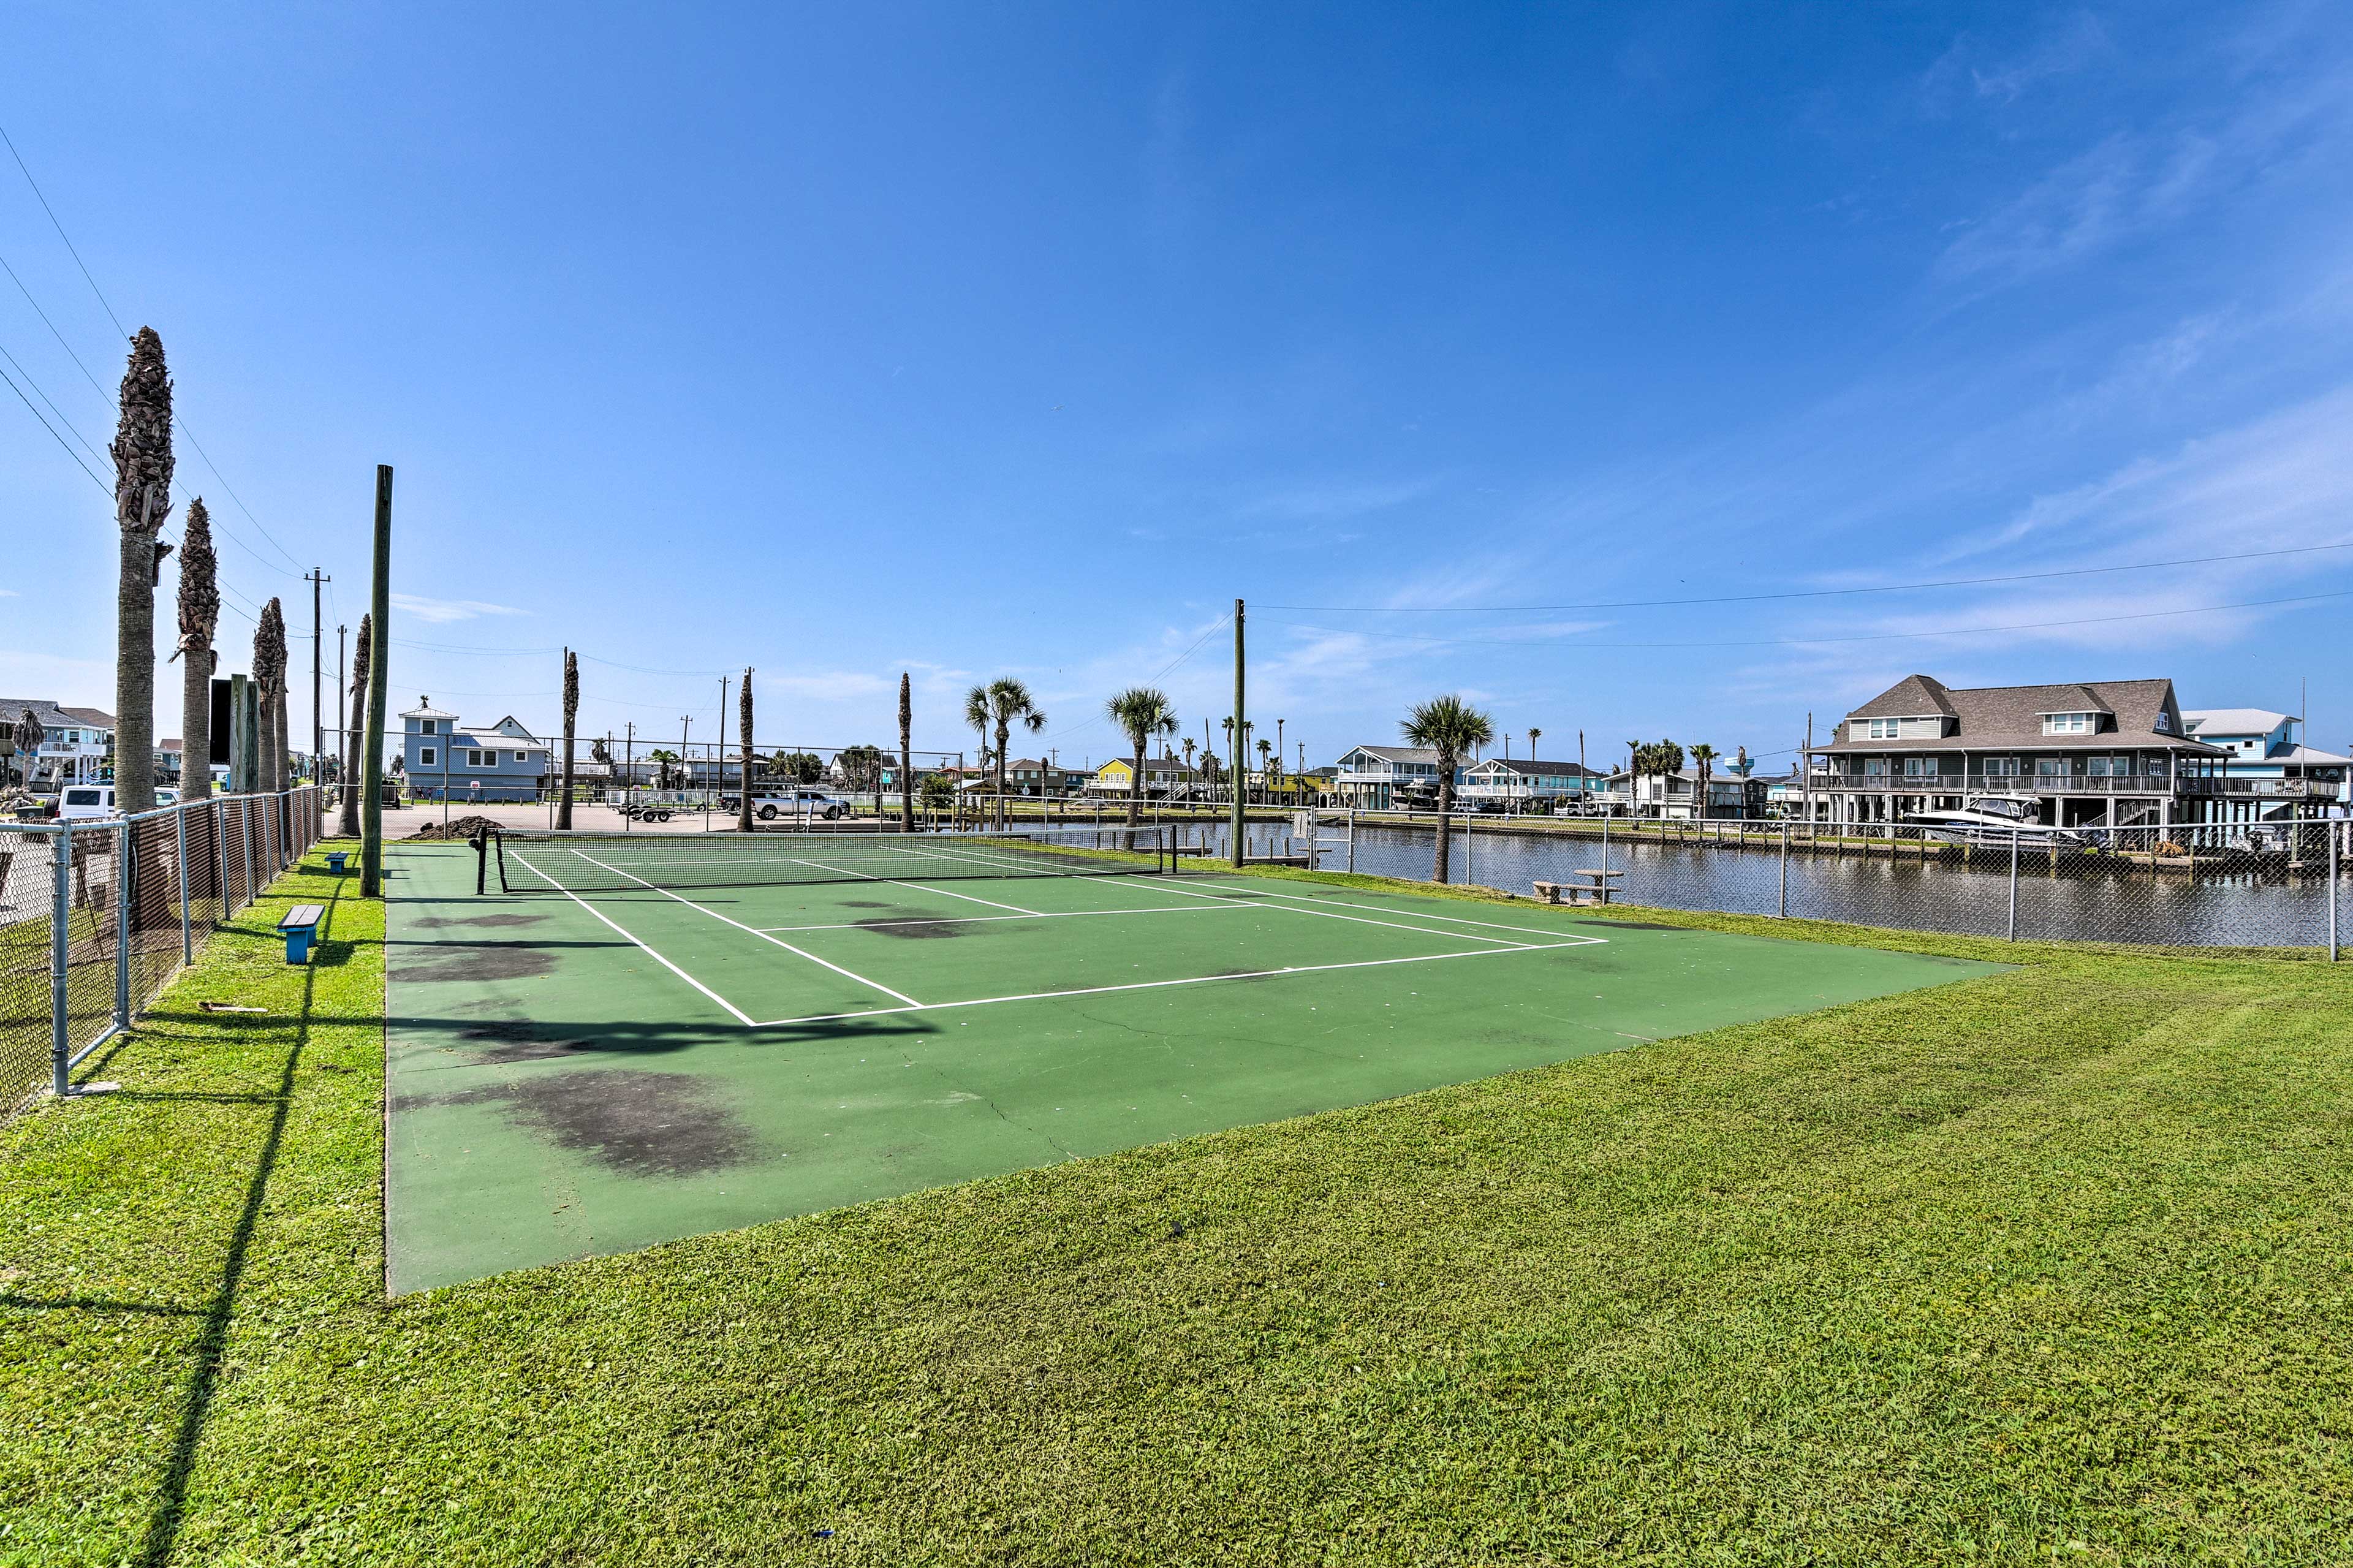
(97, 916)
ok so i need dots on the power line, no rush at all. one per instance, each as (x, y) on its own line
(1803, 593)
(1161, 674)
(60, 440)
(61, 234)
(1812, 642)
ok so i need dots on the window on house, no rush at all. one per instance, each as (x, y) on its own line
(2050, 767)
(426, 756)
(519, 757)
(2164, 723)
(1919, 767)
(2000, 767)
(1874, 767)
(2069, 723)
(1885, 728)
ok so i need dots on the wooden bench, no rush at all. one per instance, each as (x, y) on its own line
(299, 925)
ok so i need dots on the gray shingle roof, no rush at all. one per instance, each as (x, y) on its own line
(1993, 718)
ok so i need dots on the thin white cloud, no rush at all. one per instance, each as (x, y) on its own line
(8, 593)
(441, 611)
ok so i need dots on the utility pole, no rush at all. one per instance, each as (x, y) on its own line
(685, 769)
(1806, 771)
(342, 740)
(379, 684)
(318, 644)
(1242, 739)
(719, 759)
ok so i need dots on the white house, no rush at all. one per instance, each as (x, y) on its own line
(1525, 783)
(1375, 776)
(471, 761)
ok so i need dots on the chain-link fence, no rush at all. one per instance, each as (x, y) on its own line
(2268, 884)
(95, 916)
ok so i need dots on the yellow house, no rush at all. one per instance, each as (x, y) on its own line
(1161, 775)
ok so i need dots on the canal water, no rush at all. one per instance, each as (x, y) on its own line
(2109, 900)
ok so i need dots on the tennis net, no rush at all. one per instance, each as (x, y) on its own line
(529, 861)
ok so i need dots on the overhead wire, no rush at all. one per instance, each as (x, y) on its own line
(1807, 593)
(1813, 642)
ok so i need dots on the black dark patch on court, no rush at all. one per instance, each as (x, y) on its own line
(915, 929)
(437, 922)
(473, 963)
(862, 904)
(631, 1122)
(1630, 925)
(502, 1041)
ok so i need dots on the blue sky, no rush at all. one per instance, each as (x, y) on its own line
(1021, 340)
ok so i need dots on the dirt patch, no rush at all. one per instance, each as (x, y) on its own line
(485, 960)
(910, 930)
(862, 904)
(503, 1041)
(635, 1123)
(437, 922)
(456, 828)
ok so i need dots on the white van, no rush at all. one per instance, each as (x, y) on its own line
(94, 803)
(85, 803)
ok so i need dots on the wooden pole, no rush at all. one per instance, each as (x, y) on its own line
(379, 687)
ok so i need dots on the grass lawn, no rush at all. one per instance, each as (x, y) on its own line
(2053, 1262)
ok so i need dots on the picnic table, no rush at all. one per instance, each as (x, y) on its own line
(1590, 885)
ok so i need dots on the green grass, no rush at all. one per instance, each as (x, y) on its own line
(2057, 1263)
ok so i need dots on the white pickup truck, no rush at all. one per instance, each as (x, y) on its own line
(797, 803)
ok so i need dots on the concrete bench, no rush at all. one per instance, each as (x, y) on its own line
(299, 925)
(1547, 892)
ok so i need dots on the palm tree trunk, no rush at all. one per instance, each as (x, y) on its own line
(1445, 811)
(743, 722)
(347, 822)
(571, 718)
(143, 499)
(1004, 734)
(906, 756)
(1136, 788)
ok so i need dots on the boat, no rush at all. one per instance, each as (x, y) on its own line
(1999, 821)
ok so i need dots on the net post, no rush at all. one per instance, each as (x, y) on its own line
(482, 861)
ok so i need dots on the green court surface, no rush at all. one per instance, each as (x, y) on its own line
(576, 1073)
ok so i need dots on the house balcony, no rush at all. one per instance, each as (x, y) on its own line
(2155, 785)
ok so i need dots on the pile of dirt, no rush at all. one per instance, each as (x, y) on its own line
(456, 828)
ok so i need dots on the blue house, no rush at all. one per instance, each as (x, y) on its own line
(471, 762)
(2268, 771)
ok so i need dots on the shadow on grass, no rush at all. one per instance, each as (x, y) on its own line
(212, 1344)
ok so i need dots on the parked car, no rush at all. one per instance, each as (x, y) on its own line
(85, 803)
(794, 803)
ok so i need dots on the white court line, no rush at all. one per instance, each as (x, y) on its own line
(897, 882)
(1359, 919)
(1049, 915)
(739, 925)
(1562, 936)
(741, 1016)
(1155, 984)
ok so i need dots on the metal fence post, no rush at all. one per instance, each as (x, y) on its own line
(61, 958)
(2334, 833)
(246, 802)
(2013, 884)
(179, 830)
(125, 885)
(1785, 871)
(217, 809)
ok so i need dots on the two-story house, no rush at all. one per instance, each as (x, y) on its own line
(1528, 785)
(483, 762)
(2267, 771)
(1162, 775)
(2110, 752)
(1378, 777)
(77, 743)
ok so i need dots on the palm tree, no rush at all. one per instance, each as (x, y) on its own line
(1010, 703)
(1703, 756)
(1141, 712)
(1189, 753)
(347, 822)
(269, 677)
(744, 717)
(975, 713)
(1450, 727)
(661, 760)
(199, 619)
(1265, 767)
(906, 756)
(142, 500)
(1534, 735)
(570, 722)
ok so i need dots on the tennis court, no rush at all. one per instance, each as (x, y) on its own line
(618, 1043)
